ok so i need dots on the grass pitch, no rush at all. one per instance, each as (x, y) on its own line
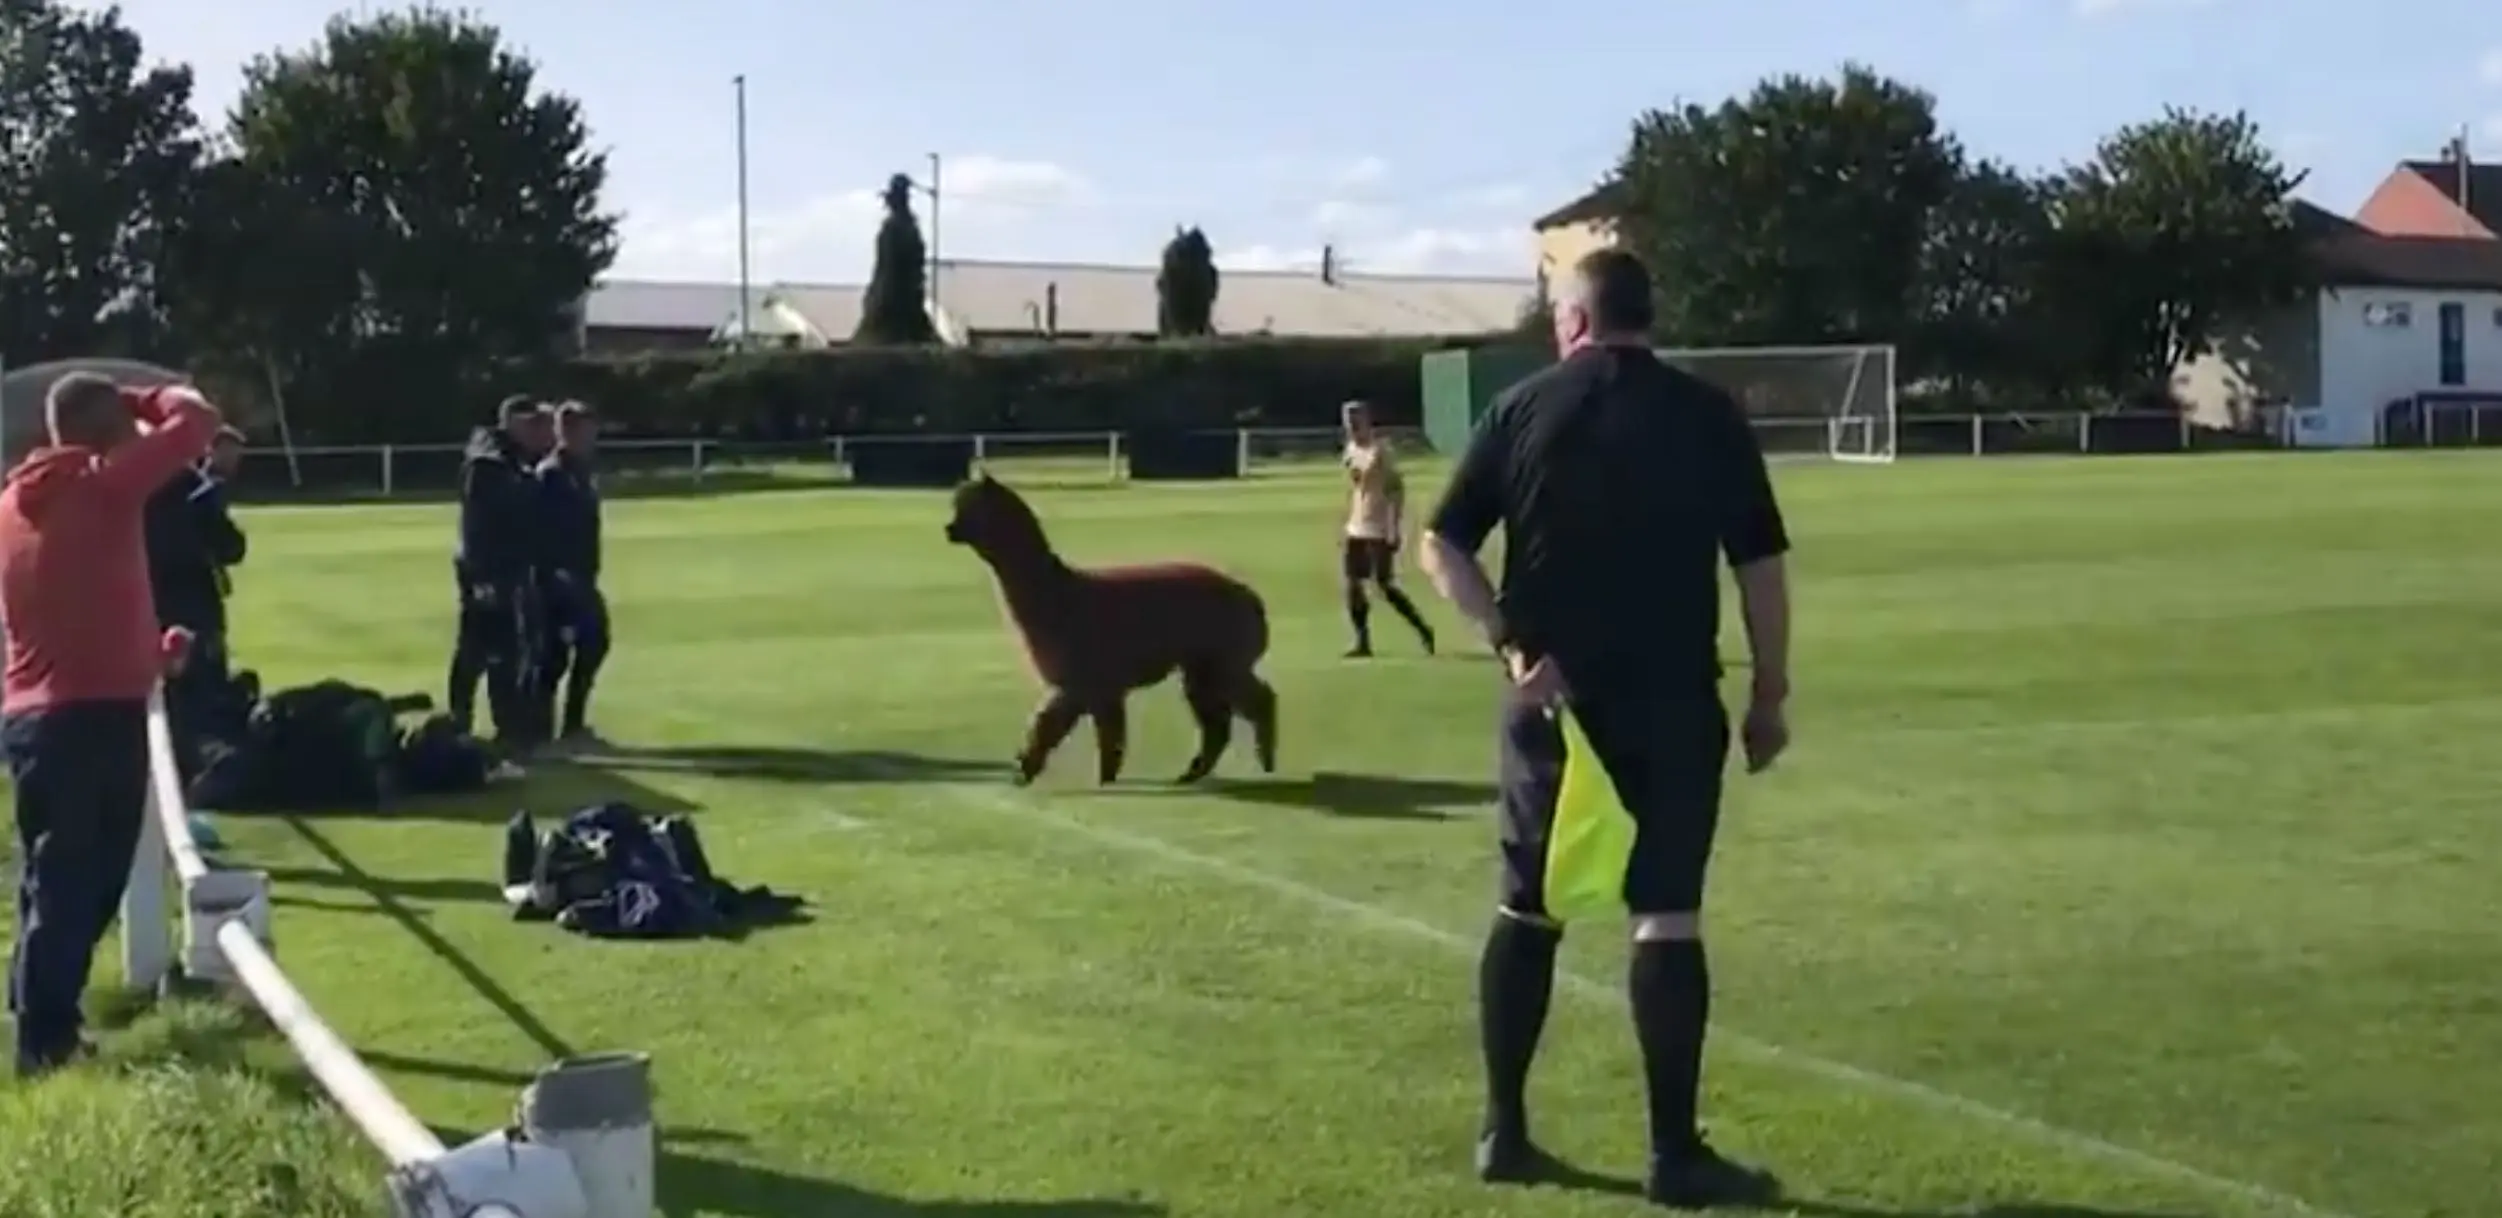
(2136, 859)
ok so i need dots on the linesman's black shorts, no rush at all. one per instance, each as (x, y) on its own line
(1368, 559)
(1665, 753)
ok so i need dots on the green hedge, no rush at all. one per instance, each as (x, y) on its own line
(1092, 387)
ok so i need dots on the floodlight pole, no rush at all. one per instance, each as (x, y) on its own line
(931, 188)
(745, 321)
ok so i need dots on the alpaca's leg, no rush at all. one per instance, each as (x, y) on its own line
(1256, 702)
(1214, 710)
(1111, 717)
(1053, 721)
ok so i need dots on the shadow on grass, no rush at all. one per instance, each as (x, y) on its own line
(1353, 796)
(392, 905)
(797, 765)
(446, 889)
(1568, 1178)
(2018, 1209)
(699, 1184)
(693, 1184)
(553, 787)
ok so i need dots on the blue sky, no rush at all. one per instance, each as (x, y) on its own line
(1413, 136)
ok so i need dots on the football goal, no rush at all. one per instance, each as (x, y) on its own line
(1833, 402)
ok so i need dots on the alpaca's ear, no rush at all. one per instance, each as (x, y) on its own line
(987, 480)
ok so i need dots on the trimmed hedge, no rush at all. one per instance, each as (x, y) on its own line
(1222, 383)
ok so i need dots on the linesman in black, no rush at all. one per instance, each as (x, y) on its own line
(193, 545)
(496, 571)
(1620, 483)
(575, 639)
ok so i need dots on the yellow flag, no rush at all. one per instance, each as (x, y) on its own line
(1591, 841)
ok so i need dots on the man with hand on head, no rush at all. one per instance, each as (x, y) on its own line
(1620, 483)
(84, 652)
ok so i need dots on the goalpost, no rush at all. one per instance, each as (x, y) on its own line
(1832, 402)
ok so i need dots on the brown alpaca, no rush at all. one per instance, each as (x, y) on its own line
(1094, 636)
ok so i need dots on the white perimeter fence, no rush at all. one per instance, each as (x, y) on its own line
(580, 1145)
(1095, 457)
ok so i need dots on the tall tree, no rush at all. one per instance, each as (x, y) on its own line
(1794, 214)
(1979, 301)
(95, 153)
(423, 157)
(2176, 228)
(894, 308)
(1186, 286)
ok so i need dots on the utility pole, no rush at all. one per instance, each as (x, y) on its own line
(932, 190)
(745, 304)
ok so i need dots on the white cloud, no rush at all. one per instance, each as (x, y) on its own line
(2489, 69)
(1502, 197)
(829, 238)
(1362, 173)
(2493, 127)
(988, 181)
(1339, 215)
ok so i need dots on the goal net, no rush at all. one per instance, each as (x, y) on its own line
(1834, 402)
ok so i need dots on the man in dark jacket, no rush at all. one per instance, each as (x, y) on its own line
(192, 544)
(577, 613)
(495, 569)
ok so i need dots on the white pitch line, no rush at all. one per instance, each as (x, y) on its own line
(1009, 803)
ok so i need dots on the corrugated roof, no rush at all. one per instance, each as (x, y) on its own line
(1084, 299)
(648, 304)
(832, 308)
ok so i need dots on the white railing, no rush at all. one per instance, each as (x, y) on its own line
(1102, 456)
(517, 1173)
(393, 469)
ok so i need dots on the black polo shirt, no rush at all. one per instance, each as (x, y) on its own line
(1620, 483)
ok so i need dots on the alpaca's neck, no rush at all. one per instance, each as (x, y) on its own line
(1030, 576)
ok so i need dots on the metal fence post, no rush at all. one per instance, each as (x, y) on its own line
(390, 472)
(147, 929)
(1112, 456)
(1976, 436)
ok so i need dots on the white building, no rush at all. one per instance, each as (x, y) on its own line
(2404, 334)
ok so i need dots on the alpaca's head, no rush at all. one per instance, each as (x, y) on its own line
(993, 519)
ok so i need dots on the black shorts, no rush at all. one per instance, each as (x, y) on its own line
(1665, 755)
(1368, 558)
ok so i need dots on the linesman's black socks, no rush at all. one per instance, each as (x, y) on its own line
(1515, 987)
(1360, 617)
(1407, 609)
(1670, 985)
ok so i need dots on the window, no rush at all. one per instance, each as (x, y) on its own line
(2453, 344)
(2389, 314)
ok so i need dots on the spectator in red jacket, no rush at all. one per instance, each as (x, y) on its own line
(84, 652)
